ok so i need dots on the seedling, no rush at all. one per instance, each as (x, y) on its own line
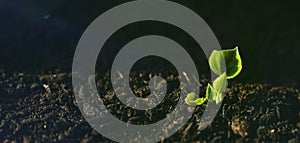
(228, 70)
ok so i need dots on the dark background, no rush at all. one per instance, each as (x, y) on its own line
(40, 35)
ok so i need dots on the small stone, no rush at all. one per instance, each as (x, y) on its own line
(26, 139)
(47, 88)
(239, 126)
(34, 85)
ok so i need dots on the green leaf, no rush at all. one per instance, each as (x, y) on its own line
(200, 101)
(228, 61)
(190, 99)
(220, 83)
(233, 62)
(210, 93)
(217, 62)
(193, 100)
(219, 98)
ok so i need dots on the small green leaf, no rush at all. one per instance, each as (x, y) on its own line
(219, 98)
(228, 61)
(191, 96)
(190, 99)
(217, 62)
(220, 83)
(193, 100)
(233, 62)
(210, 93)
(200, 101)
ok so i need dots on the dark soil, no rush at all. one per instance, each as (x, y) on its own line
(42, 108)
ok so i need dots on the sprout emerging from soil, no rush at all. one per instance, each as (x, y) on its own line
(228, 70)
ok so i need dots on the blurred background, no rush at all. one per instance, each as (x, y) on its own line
(39, 35)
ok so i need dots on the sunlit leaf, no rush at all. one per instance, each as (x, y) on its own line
(219, 98)
(233, 62)
(190, 99)
(210, 93)
(220, 83)
(217, 62)
(193, 99)
(200, 101)
(228, 61)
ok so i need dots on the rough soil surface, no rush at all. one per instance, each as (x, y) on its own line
(42, 108)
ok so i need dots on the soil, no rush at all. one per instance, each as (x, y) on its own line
(42, 108)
